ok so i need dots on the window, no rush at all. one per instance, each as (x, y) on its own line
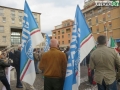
(68, 24)
(68, 30)
(35, 15)
(89, 22)
(110, 24)
(85, 15)
(13, 20)
(20, 13)
(99, 10)
(4, 38)
(68, 35)
(109, 15)
(13, 13)
(4, 19)
(43, 44)
(15, 38)
(20, 17)
(54, 33)
(1, 29)
(96, 19)
(68, 41)
(65, 25)
(38, 23)
(91, 13)
(36, 19)
(105, 28)
(91, 29)
(20, 21)
(58, 32)
(1, 11)
(62, 42)
(62, 36)
(104, 19)
(62, 31)
(58, 37)
(97, 30)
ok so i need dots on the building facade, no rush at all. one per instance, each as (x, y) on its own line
(11, 26)
(102, 20)
(63, 33)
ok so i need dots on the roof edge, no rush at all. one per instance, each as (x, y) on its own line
(18, 9)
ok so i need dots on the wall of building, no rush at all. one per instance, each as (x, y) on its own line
(108, 21)
(10, 14)
(63, 38)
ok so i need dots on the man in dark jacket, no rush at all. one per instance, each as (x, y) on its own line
(16, 62)
(3, 79)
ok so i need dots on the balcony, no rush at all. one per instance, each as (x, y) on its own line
(97, 13)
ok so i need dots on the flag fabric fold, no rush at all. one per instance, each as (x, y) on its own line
(81, 44)
(111, 43)
(47, 43)
(31, 36)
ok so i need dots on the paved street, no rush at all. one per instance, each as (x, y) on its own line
(39, 81)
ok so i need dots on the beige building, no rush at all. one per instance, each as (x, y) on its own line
(11, 26)
(102, 20)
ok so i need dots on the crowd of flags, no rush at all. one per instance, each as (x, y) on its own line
(82, 42)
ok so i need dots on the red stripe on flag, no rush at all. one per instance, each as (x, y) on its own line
(35, 32)
(85, 41)
(25, 70)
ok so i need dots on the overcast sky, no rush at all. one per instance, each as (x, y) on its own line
(53, 11)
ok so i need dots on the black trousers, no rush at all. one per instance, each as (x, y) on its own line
(18, 77)
(5, 82)
(53, 83)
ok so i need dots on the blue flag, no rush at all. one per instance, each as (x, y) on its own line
(47, 43)
(31, 36)
(81, 44)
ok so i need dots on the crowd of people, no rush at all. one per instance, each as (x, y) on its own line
(12, 58)
(103, 65)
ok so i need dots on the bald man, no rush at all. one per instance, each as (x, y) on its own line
(53, 64)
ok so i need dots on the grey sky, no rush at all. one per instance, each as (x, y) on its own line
(53, 11)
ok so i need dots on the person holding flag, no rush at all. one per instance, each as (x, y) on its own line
(81, 44)
(31, 36)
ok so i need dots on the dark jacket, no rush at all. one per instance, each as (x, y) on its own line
(11, 55)
(16, 60)
(3, 65)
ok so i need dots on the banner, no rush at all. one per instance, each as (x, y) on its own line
(81, 44)
(31, 36)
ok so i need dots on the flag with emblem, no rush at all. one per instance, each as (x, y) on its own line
(81, 44)
(31, 36)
